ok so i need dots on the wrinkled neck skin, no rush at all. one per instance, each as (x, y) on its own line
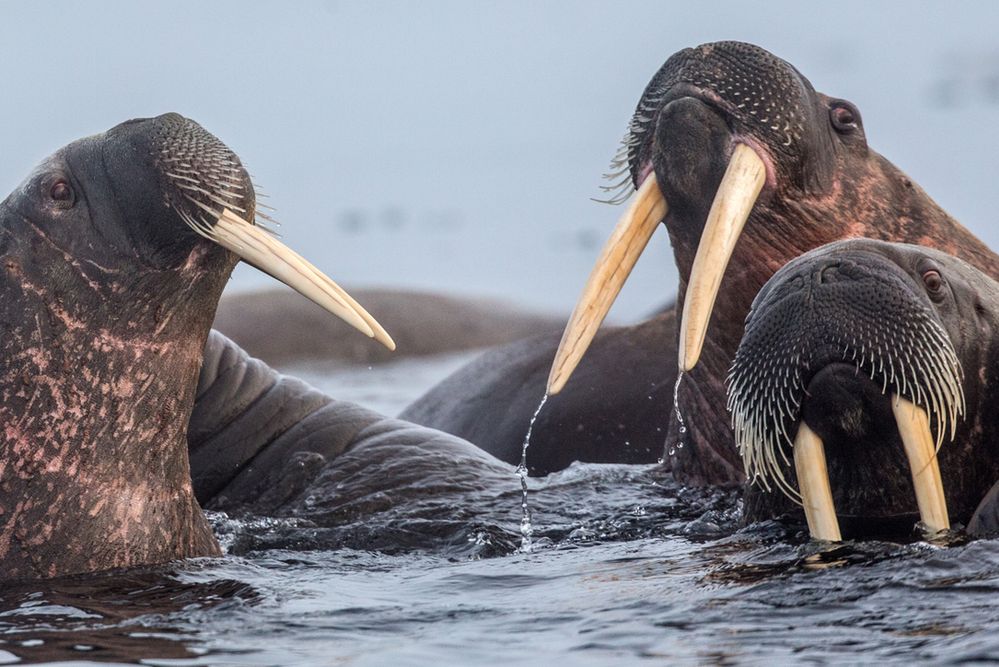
(256, 437)
(867, 196)
(264, 443)
(97, 381)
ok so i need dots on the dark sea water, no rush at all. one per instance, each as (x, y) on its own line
(641, 576)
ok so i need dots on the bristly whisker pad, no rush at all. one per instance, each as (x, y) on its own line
(898, 343)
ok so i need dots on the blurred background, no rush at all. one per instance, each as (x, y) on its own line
(455, 146)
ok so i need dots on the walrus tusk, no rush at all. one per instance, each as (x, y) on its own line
(914, 428)
(736, 195)
(612, 269)
(259, 248)
(813, 482)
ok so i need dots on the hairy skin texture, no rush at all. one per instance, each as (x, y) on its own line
(823, 184)
(107, 301)
(872, 296)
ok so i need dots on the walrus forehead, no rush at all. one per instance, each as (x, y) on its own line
(905, 259)
(875, 264)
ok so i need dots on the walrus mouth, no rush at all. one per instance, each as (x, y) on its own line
(215, 200)
(899, 345)
(733, 201)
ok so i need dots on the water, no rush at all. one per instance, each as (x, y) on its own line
(669, 449)
(647, 572)
(526, 527)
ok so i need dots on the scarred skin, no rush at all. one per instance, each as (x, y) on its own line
(108, 298)
(823, 183)
(886, 299)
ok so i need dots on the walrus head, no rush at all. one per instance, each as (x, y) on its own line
(720, 130)
(857, 390)
(114, 253)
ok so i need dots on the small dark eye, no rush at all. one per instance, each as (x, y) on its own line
(932, 281)
(61, 192)
(844, 116)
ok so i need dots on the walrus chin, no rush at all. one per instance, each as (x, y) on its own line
(747, 171)
(804, 335)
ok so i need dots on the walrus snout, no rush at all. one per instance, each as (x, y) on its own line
(198, 175)
(758, 94)
(198, 181)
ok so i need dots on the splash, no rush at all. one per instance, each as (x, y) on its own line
(526, 527)
(668, 449)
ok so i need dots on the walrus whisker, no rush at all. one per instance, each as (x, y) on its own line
(182, 177)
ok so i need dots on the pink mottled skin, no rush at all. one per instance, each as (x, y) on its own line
(97, 418)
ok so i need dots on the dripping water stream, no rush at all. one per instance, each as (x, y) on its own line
(526, 528)
(668, 449)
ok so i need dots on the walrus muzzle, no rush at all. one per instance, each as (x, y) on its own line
(210, 188)
(730, 208)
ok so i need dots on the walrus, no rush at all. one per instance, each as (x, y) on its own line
(322, 473)
(280, 327)
(747, 166)
(114, 253)
(263, 443)
(863, 387)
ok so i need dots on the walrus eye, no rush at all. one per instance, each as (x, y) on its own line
(932, 281)
(61, 192)
(844, 116)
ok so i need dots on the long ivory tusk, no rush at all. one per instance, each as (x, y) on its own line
(813, 481)
(736, 195)
(612, 269)
(914, 427)
(259, 248)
